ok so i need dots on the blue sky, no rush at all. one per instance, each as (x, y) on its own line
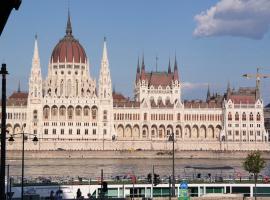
(156, 27)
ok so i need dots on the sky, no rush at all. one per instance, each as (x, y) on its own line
(215, 41)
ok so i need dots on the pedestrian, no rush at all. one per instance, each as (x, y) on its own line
(79, 193)
(51, 195)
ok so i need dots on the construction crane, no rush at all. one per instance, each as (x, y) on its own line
(258, 76)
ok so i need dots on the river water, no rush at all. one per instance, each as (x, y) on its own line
(91, 168)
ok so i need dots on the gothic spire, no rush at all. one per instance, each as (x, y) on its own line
(228, 90)
(169, 67)
(175, 71)
(208, 93)
(19, 86)
(69, 28)
(138, 66)
(104, 55)
(143, 66)
(175, 64)
(35, 60)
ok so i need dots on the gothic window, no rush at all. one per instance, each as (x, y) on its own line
(236, 116)
(35, 92)
(104, 93)
(145, 116)
(54, 111)
(178, 116)
(70, 112)
(69, 87)
(46, 111)
(258, 117)
(244, 116)
(35, 114)
(230, 116)
(86, 111)
(61, 87)
(94, 113)
(105, 115)
(77, 88)
(78, 111)
(251, 116)
(62, 111)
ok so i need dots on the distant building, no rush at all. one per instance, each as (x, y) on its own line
(68, 104)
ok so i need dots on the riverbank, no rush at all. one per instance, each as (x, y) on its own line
(128, 154)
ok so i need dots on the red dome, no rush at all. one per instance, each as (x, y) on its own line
(68, 48)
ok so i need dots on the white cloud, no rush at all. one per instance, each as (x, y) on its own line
(242, 18)
(190, 86)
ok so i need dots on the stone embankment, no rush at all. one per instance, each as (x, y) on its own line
(141, 154)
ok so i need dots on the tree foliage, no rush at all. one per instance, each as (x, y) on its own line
(254, 162)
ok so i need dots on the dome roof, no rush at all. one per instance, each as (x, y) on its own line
(68, 48)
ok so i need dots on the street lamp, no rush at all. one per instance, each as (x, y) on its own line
(171, 139)
(24, 137)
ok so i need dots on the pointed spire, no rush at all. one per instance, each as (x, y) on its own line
(228, 90)
(169, 67)
(208, 93)
(138, 65)
(19, 86)
(143, 66)
(175, 63)
(175, 70)
(69, 28)
(105, 54)
(35, 61)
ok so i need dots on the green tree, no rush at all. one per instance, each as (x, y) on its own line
(254, 163)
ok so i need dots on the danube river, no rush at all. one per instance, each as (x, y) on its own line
(91, 167)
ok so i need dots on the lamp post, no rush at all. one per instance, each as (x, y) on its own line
(171, 139)
(24, 137)
(3, 72)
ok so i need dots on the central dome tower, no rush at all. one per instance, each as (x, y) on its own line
(68, 73)
(68, 49)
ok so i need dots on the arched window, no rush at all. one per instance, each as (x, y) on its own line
(70, 112)
(35, 92)
(244, 116)
(178, 116)
(61, 87)
(54, 111)
(236, 116)
(94, 113)
(258, 117)
(105, 115)
(35, 114)
(62, 111)
(46, 111)
(251, 116)
(69, 87)
(230, 116)
(86, 111)
(78, 111)
(77, 87)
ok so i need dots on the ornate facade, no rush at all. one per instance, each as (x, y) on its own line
(68, 105)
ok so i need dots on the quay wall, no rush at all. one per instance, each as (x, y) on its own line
(153, 145)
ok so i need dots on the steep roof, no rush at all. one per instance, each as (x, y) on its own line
(17, 99)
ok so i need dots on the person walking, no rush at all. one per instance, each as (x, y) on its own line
(79, 193)
(51, 195)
